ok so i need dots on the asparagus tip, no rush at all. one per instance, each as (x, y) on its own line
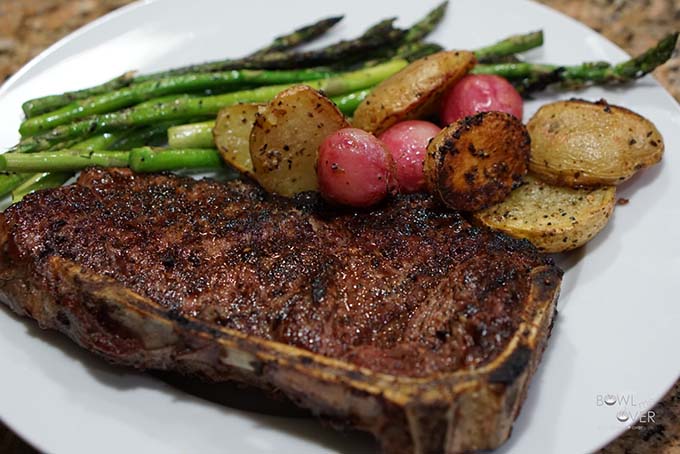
(649, 60)
(539, 36)
(668, 43)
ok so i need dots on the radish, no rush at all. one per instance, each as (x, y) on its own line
(407, 143)
(354, 168)
(477, 93)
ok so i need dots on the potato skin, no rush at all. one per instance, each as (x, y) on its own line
(413, 92)
(285, 139)
(232, 135)
(476, 161)
(579, 143)
(553, 218)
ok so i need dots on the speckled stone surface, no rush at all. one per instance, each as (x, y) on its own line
(29, 26)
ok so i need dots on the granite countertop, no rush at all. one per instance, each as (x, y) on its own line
(27, 27)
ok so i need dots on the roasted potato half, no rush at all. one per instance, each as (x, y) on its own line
(232, 135)
(476, 161)
(413, 92)
(553, 218)
(285, 139)
(581, 143)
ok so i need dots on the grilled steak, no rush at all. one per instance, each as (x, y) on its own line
(222, 279)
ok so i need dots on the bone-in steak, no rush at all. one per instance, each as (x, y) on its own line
(406, 288)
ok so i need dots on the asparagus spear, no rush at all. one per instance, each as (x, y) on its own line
(410, 50)
(504, 49)
(137, 93)
(509, 46)
(43, 180)
(142, 91)
(99, 142)
(300, 36)
(192, 135)
(154, 135)
(22, 184)
(48, 103)
(112, 141)
(381, 34)
(39, 106)
(9, 182)
(144, 159)
(61, 160)
(349, 102)
(200, 135)
(412, 46)
(501, 51)
(155, 111)
(414, 51)
(597, 73)
(424, 27)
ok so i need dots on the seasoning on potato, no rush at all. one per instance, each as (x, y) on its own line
(285, 139)
(476, 161)
(581, 143)
(553, 218)
(232, 135)
(414, 92)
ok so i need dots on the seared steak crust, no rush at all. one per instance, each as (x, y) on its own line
(406, 288)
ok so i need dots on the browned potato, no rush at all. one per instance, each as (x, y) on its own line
(413, 92)
(580, 143)
(285, 139)
(476, 161)
(232, 135)
(553, 218)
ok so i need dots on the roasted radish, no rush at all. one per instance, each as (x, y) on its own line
(354, 168)
(477, 93)
(407, 143)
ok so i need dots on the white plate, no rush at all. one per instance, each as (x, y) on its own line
(617, 328)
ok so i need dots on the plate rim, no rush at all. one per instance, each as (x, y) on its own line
(129, 8)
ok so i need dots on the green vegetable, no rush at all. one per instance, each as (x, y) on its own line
(144, 159)
(509, 46)
(185, 107)
(300, 36)
(43, 180)
(381, 34)
(61, 160)
(193, 135)
(536, 76)
(22, 184)
(134, 94)
(147, 159)
(49, 103)
(39, 106)
(200, 135)
(424, 27)
(10, 181)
